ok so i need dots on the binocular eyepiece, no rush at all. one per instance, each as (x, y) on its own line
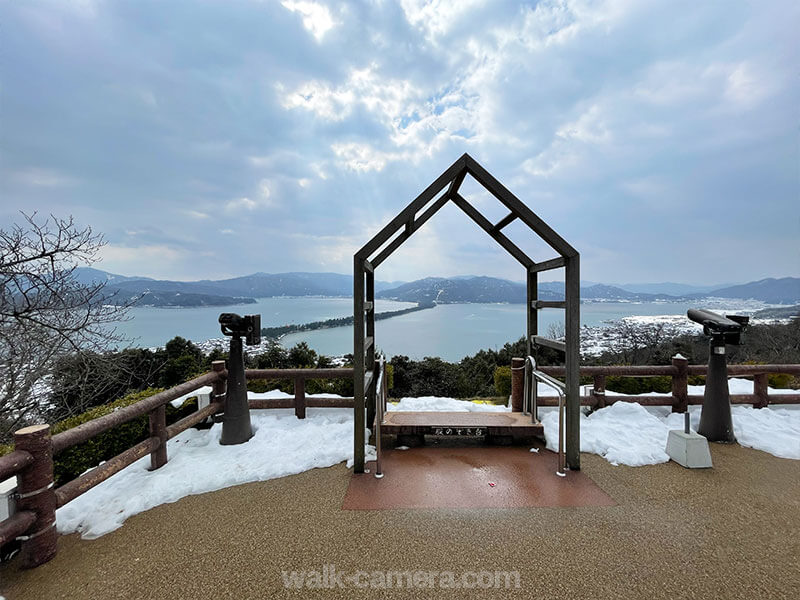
(248, 326)
(729, 326)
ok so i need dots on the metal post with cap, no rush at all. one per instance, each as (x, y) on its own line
(236, 426)
(716, 423)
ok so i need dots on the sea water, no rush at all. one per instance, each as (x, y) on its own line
(449, 331)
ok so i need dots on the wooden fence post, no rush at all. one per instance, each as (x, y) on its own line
(220, 387)
(599, 390)
(760, 383)
(300, 397)
(35, 493)
(680, 384)
(158, 429)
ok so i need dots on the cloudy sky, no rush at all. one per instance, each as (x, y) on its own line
(214, 139)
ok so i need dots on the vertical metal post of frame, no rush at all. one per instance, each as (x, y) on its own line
(369, 359)
(573, 357)
(533, 312)
(358, 366)
(532, 329)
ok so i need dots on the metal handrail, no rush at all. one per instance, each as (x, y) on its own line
(530, 367)
(380, 408)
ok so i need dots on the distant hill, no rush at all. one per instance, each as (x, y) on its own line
(458, 289)
(237, 290)
(669, 288)
(785, 312)
(440, 289)
(88, 275)
(175, 299)
(775, 291)
(490, 289)
(257, 285)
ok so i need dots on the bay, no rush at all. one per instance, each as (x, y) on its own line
(149, 327)
(453, 331)
(450, 331)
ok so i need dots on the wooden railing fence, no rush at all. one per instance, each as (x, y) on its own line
(300, 401)
(679, 371)
(34, 448)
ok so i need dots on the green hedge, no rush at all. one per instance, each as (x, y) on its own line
(502, 381)
(70, 463)
(639, 385)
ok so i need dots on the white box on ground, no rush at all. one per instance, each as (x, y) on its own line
(7, 505)
(689, 450)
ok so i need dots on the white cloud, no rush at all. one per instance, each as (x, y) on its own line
(748, 86)
(45, 178)
(196, 214)
(317, 17)
(361, 157)
(736, 85)
(330, 252)
(263, 189)
(417, 123)
(569, 143)
(241, 204)
(590, 128)
(436, 17)
(157, 260)
(261, 200)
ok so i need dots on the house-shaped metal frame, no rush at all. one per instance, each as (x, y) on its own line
(403, 226)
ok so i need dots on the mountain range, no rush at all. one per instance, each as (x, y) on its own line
(488, 289)
(238, 290)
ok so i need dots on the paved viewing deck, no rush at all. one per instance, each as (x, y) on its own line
(726, 532)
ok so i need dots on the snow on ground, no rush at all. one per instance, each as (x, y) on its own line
(282, 445)
(206, 389)
(434, 404)
(630, 434)
(623, 433)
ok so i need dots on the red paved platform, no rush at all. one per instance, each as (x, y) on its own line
(471, 477)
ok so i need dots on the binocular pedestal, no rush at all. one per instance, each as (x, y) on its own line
(236, 427)
(716, 423)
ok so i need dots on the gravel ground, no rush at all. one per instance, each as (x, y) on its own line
(729, 532)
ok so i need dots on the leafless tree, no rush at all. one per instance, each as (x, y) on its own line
(44, 311)
(557, 331)
(635, 343)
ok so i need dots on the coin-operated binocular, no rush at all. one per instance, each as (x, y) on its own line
(716, 423)
(236, 426)
(248, 326)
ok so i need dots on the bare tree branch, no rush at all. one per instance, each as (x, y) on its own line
(45, 311)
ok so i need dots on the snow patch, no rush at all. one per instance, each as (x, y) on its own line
(623, 433)
(282, 445)
(627, 433)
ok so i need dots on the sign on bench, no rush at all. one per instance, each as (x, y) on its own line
(470, 431)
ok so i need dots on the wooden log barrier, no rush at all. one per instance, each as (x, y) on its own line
(35, 494)
(16, 525)
(599, 390)
(158, 429)
(299, 398)
(13, 462)
(71, 490)
(760, 382)
(680, 384)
